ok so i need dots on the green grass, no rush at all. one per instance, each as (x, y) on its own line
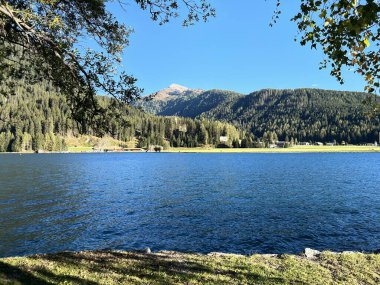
(295, 149)
(80, 149)
(110, 267)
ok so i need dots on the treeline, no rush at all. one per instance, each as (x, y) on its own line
(37, 117)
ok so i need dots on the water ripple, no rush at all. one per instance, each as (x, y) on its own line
(243, 203)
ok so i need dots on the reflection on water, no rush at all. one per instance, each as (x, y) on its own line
(189, 202)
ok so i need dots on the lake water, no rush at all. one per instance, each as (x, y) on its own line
(240, 203)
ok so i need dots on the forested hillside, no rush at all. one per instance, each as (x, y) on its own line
(300, 114)
(189, 104)
(36, 116)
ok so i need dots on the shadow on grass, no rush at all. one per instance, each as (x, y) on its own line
(151, 268)
(14, 275)
(159, 269)
(10, 274)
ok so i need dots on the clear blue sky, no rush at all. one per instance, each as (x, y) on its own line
(237, 51)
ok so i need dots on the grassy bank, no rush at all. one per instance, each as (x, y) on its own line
(295, 149)
(86, 143)
(107, 267)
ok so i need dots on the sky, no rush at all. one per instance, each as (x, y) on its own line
(236, 50)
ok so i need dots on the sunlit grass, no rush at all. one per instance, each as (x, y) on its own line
(80, 148)
(108, 267)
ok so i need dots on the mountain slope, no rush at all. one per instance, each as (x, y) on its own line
(196, 104)
(301, 114)
(163, 98)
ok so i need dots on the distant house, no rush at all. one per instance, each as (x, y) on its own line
(281, 144)
(303, 143)
(223, 139)
(272, 145)
(182, 128)
(133, 149)
(318, 144)
(154, 148)
(158, 148)
(330, 144)
(259, 144)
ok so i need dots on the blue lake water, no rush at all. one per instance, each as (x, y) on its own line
(240, 203)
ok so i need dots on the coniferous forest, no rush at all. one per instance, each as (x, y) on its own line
(35, 117)
(308, 115)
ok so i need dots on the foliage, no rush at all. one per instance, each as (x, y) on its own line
(348, 31)
(49, 34)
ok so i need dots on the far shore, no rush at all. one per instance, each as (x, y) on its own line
(169, 267)
(294, 149)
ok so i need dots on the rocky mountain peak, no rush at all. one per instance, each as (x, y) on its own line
(172, 92)
(178, 87)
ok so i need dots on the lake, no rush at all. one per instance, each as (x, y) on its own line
(239, 203)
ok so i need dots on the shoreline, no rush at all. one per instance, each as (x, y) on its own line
(295, 149)
(171, 267)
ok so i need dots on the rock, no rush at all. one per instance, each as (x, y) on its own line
(173, 91)
(311, 253)
(147, 250)
(350, 252)
(269, 255)
(223, 254)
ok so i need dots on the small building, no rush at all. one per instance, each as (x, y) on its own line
(330, 144)
(133, 149)
(318, 144)
(154, 148)
(182, 128)
(259, 144)
(303, 143)
(158, 148)
(223, 139)
(281, 144)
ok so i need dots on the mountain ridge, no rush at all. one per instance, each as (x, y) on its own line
(310, 114)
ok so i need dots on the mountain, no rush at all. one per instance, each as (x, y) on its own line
(174, 91)
(163, 98)
(301, 114)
